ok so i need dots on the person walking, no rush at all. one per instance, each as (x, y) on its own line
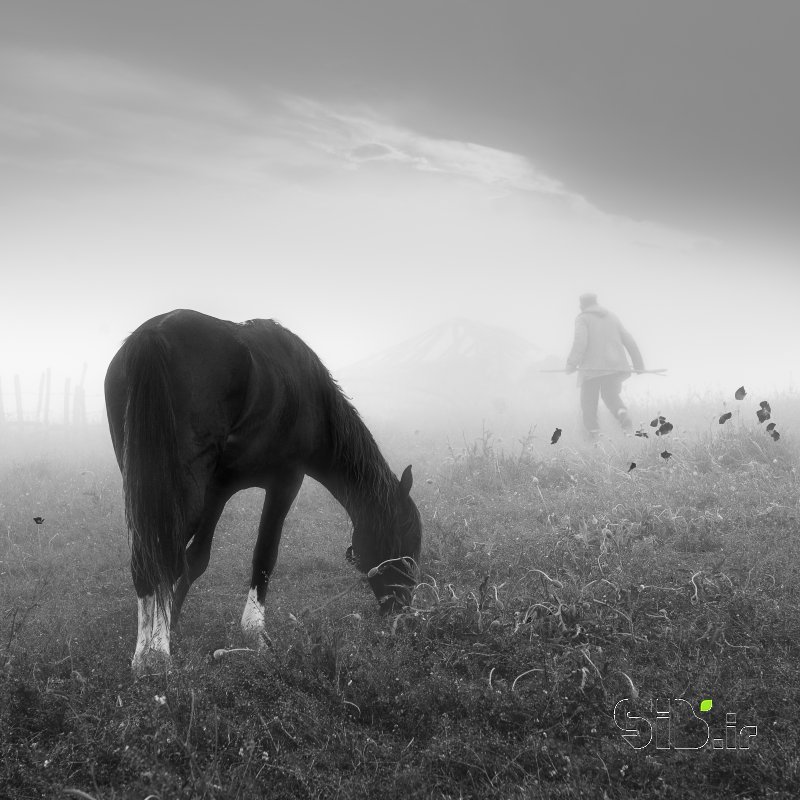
(598, 354)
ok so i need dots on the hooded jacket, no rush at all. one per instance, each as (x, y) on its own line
(599, 345)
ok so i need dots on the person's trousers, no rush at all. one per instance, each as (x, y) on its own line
(608, 387)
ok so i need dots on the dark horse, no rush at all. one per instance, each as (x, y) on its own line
(200, 408)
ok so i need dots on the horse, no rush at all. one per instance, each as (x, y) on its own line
(200, 408)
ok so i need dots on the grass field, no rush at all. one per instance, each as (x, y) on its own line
(555, 583)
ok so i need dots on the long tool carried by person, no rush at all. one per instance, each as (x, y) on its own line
(635, 371)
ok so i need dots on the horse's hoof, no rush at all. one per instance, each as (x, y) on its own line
(257, 639)
(150, 662)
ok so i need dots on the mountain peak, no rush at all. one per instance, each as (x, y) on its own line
(459, 369)
(457, 339)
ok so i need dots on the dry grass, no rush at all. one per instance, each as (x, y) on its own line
(554, 583)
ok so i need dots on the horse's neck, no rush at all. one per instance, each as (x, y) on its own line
(346, 494)
(359, 478)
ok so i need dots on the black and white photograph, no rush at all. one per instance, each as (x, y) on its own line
(399, 399)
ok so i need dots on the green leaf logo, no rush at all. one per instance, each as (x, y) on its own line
(705, 705)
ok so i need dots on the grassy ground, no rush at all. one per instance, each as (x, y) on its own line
(555, 584)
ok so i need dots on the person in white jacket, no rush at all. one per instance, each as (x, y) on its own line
(599, 354)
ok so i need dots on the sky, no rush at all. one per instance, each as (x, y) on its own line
(362, 171)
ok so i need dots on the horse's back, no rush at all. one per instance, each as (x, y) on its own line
(253, 394)
(207, 373)
(283, 420)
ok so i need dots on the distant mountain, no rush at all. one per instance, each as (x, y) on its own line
(460, 372)
(458, 340)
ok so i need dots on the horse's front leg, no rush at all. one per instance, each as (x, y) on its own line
(281, 493)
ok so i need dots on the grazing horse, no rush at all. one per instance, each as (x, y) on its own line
(200, 408)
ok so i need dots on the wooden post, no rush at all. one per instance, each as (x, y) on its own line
(18, 395)
(41, 397)
(47, 398)
(66, 401)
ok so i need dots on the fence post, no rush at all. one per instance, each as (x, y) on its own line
(18, 395)
(47, 398)
(66, 401)
(41, 397)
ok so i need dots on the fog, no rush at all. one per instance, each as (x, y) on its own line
(133, 184)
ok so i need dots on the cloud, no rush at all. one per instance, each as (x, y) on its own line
(76, 115)
(307, 210)
(370, 151)
(358, 137)
(82, 115)
(85, 118)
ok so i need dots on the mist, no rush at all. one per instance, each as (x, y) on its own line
(421, 191)
(132, 185)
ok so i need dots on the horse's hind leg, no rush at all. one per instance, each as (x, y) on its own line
(199, 550)
(280, 495)
(154, 611)
(157, 610)
(152, 640)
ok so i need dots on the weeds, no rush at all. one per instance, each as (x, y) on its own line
(553, 584)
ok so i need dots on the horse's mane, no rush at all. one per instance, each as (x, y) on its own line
(370, 485)
(357, 452)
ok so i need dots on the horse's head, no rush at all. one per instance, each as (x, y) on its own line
(396, 555)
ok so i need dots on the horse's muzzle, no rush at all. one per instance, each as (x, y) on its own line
(393, 584)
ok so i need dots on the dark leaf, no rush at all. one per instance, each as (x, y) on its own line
(762, 415)
(770, 427)
(643, 434)
(725, 417)
(666, 454)
(740, 393)
(632, 466)
(765, 405)
(38, 520)
(665, 428)
(775, 435)
(556, 436)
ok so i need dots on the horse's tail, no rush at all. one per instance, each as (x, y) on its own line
(153, 475)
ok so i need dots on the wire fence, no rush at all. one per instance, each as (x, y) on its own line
(50, 405)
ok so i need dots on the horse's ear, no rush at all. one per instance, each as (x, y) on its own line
(405, 482)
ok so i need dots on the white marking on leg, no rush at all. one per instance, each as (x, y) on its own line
(152, 642)
(253, 618)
